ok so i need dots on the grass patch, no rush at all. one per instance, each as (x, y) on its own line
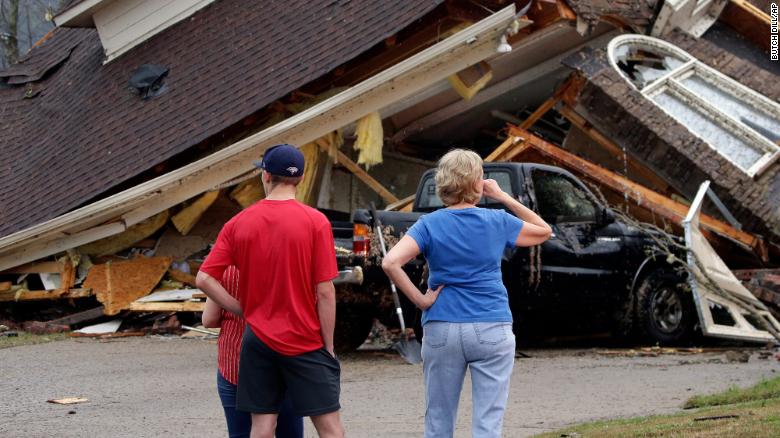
(751, 412)
(764, 390)
(25, 338)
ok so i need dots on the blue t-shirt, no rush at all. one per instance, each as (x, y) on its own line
(464, 249)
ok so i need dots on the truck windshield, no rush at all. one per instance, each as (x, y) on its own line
(429, 200)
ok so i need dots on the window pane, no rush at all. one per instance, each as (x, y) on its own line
(750, 115)
(731, 146)
(561, 200)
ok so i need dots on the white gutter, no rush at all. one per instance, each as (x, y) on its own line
(114, 214)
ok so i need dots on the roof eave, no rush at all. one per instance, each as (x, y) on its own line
(80, 15)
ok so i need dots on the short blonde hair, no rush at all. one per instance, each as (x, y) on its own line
(457, 175)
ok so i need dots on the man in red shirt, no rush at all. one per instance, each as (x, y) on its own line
(286, 256)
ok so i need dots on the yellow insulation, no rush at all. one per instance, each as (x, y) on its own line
(369, 140)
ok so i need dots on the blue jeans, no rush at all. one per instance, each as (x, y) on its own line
(488, 350)
(288, 425)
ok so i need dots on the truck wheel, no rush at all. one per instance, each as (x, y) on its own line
(353, 325)
(665, 310)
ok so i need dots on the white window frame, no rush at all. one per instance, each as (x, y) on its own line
(671, 83)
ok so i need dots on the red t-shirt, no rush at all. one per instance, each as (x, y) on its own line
(282, 250)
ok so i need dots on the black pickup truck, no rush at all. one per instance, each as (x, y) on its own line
(595, 272)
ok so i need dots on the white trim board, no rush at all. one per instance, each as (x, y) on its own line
(117, 212)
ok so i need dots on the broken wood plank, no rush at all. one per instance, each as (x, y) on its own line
(126, 239)
(248, 192)
(36, 268)
(400, 203)
(174, 245)
(502, 149)
(117, 284)
(173, 306)
(189, 215)
(615, 150)
(361, 174)
(5, 285)
(37, 295)
(68, 400)
(169, 295)
(649, 199)
(749, 21)
(182, 277)
(78, 318)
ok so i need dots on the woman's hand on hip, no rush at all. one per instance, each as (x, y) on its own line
(429, 298)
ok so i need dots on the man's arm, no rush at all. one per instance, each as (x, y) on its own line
(326, 310)
(214, 290)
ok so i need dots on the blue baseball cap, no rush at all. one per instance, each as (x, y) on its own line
(282, 160)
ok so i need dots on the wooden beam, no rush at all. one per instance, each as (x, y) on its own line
(77, 318)
(401, 203)
(170, 306)
(656, 202)
(37, 295)
(185, 219)
(615, 150)
(750, 21)
(358, 171)
(36, 268)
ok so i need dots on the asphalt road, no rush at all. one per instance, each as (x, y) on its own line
(154, 386)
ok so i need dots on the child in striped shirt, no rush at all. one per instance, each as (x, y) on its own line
(228, 351)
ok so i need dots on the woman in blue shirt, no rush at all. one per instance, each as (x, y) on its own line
(467, 323)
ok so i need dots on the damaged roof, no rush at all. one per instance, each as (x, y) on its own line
(72, 128)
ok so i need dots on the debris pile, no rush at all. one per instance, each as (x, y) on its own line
(130, 284)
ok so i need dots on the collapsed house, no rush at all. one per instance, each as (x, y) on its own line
(129, 132)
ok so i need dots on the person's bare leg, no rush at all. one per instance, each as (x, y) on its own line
(263, 425)
(328, 425)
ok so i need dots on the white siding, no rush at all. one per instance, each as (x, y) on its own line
(127, 23)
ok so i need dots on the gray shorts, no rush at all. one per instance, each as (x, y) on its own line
(311, 380)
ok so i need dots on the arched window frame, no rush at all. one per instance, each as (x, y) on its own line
(672, 83)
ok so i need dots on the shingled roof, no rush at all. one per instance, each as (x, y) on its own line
(71, 128)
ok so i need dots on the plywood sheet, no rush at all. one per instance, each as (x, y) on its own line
(117, 284)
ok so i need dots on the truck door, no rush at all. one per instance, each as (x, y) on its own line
(575, 273)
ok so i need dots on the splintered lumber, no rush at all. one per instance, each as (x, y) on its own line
(750, 21)
(68, 400)
(248, 192)
(117, 284)
(179, 247)
(67, 279)
(401, 203)
(36, 268)
(171, 306)
(659, 204)
(182, 277)
(362, 175)
(189, 215)
(5, 285)
(600, 139)
(127, 238)
(78, 318)
(37, 295)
